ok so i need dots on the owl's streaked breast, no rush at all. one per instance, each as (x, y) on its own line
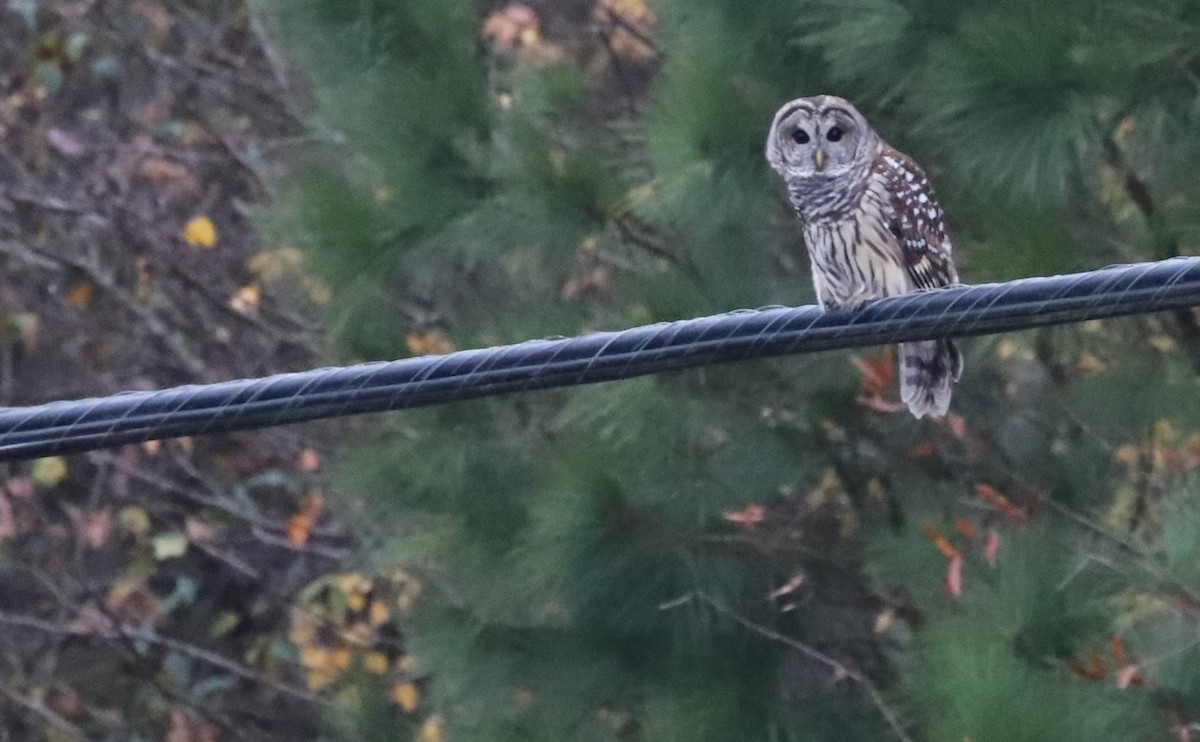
(855, 256)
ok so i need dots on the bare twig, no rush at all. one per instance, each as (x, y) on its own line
(839, 669)
(105, 281)
(39, 709)
(149, 636)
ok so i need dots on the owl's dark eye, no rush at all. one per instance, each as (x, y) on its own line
(834, 134)
(800, 136)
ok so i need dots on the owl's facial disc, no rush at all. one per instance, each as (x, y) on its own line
(821, 137)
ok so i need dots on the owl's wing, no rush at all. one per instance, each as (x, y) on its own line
(917, 222)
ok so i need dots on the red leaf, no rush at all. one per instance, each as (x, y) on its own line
(991, 545)
(748, 516)
(954, 584)
(788, 587)
(1130, 675)
(923, 450)
(957, 425)
(879, 404)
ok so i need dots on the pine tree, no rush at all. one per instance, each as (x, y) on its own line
(752, 552)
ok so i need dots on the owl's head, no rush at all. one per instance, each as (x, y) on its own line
(822, 137)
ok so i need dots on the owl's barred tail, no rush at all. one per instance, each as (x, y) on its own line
(928, 370)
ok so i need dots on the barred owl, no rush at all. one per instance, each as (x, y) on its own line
(871, 225)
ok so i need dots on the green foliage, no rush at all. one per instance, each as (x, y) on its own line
(574, 543)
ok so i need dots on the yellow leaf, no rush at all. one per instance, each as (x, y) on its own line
(376, 662)
(246, 299)
(321, 678)
(134, 519)
(169, 546)
(272, 265)
(431, 730)
(49, 471)
(314, 657)
(318, 291)
(200, 231)
(1162, 343)
(298, 528)
(378, 613)
(406, 695)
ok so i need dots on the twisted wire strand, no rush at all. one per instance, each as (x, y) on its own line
(79, 425)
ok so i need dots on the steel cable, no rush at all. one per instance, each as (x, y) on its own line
(78, 425)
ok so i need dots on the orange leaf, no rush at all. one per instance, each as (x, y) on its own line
(299, 527)
(948, 549)
(1118, 650)
(1002, 503)
(965, 528)
(954, 584)
(80, 295)
(876, 372)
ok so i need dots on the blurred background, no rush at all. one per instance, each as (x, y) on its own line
(202, 190)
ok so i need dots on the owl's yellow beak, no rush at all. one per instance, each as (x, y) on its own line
(819, 159)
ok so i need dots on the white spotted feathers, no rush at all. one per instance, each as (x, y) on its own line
(872, 225)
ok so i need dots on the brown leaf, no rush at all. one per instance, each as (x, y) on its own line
(80, 295)
(8, 522)
(20, 487)
(93, 527)
(182, 728)
(65, 701)
(144, 285)
(1093, 670)
(162, 170)
(514, 23)
(429, 343)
